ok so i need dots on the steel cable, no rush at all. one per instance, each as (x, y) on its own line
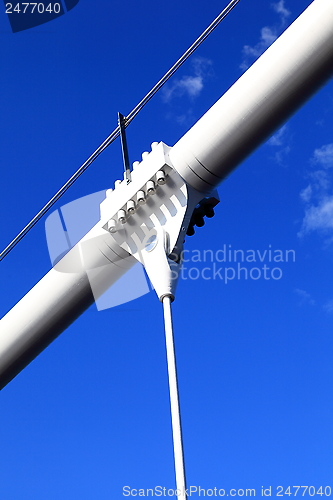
(116, 132)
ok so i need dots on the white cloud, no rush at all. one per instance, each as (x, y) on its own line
(278, 138)
(202, 66)
(305, 297)
(319, 214)
(306, 193)
(320, 182)
(281, 156)
(329, 306)
(184, 119)
(280, 8)
(318, 218)
(189, 85)
(268, 35)
(324, 155)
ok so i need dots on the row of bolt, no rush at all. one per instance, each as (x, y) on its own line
(204, 209)
(140, 199)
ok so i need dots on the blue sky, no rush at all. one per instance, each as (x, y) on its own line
(91, 413)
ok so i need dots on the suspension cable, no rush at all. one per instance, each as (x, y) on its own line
(181, 60)
(127, 120)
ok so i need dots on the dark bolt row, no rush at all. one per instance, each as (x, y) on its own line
(204, 209)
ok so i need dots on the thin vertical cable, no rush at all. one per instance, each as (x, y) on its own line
(174, 401)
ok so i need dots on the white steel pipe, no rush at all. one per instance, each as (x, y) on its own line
(298, 63)
(64, 293)
(282, 79)
(50, 307)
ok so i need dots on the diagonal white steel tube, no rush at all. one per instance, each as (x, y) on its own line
(277, 84)
(174, 401)
(60, 297)
(298, 63)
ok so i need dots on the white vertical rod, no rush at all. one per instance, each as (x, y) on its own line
(174, 400)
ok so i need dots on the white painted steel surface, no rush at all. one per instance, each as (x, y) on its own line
(298, 63)
(174, 401)
(62, 295)
(283, 78)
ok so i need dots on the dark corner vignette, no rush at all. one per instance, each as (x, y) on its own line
(25, 15)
